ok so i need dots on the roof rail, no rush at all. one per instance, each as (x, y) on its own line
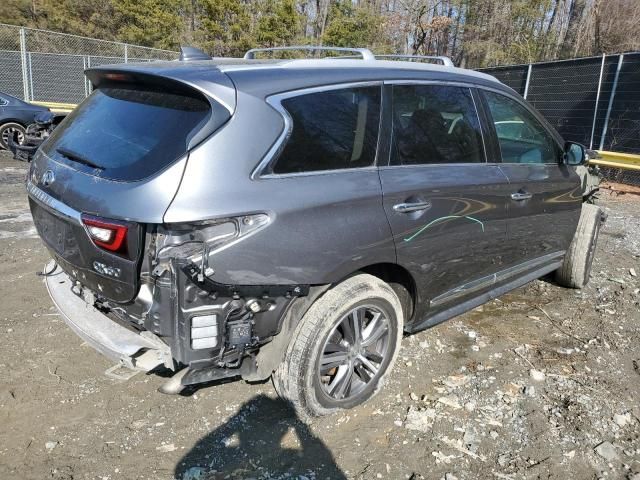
(365, 53)
(446, 61)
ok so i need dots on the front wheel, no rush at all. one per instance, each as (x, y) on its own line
(576, 267)
(8, 130)
(343, 348)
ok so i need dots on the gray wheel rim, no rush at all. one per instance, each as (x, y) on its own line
(354, 352)
(8, 133)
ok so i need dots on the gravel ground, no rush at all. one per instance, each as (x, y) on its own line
(541, 383)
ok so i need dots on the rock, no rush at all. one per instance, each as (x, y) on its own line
(503, 459)
(472, 334)
(450, 476)
(607, 451)
(455, 381)
(622, 420)
(470, 406)
(398, 423)
(195, 473)
(565, 351)
(413, 397)
(530, 391)
(169, 447)
(50, 446)
(493, 434)
(450, 401)
(537, 375)
(632, 272)
(420, 420)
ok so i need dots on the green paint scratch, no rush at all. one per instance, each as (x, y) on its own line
(437, 220)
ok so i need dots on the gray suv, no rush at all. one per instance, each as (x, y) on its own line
(293, 218)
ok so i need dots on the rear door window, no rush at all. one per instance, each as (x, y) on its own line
(435, 124)
(128, 133)
(332, 130)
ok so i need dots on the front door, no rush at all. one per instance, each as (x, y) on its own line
(546, 197)
(445, 204)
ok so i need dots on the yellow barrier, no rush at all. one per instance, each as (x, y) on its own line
(57, 107)
(626, 161)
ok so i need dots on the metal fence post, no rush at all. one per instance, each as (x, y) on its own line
(595, 108)
(613, 94)
(30, 77)
(126, 53)
(23, 59)
(526, 85)
(85, 65)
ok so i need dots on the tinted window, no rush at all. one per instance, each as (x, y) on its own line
(521, 136)
(331, 130)
(128, 133)
(435, 124)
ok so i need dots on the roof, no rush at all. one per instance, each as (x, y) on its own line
(266, 77)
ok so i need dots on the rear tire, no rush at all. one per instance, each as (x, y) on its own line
(576, 268)
(7, 130)
(327, 366)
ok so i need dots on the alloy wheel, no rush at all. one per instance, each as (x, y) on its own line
(354, 352)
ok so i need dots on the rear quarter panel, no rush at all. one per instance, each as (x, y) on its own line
(323, 226)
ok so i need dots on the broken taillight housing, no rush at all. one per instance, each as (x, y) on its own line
(106, 234)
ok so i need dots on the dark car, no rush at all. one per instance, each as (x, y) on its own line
(292, 218)
(15, 116)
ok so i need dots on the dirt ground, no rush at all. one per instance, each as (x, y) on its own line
(542, 383)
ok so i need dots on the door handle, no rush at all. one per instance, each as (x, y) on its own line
(411, 207)
(519, 196)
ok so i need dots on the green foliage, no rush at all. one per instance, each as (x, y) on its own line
(475, 33)
(279, 24)
(224, 27)
(154, 23)
(351, 26)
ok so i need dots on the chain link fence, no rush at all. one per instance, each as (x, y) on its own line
(594, 101)
(45, 66)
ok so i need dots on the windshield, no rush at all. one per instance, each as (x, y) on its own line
(127, 133)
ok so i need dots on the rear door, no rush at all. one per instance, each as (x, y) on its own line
(445, 203)
(545, 198)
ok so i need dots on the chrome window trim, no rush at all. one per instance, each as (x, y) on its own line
(275, 101)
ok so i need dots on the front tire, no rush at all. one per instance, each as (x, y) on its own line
(7, 131)
(576, 268)
(342, 349)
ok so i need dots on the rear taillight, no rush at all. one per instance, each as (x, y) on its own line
(106, 234)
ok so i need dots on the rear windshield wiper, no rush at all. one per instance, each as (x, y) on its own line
(78, 158)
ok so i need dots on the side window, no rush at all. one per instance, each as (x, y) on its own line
(521, 136)
(332, 130)
(435, 124)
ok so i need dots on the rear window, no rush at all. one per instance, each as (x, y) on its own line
(128, 133)
(332, 130)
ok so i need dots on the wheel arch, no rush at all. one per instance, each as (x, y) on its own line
(402, 282)
(4, 121)
(271, 354)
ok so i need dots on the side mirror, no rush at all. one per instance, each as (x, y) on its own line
(575, 154)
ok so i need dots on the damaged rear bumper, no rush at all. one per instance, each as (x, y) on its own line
(138, 350)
